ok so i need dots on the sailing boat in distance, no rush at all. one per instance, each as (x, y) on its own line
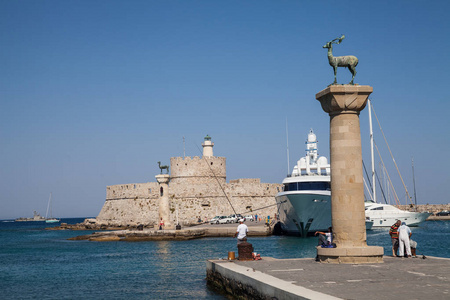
(384, 215)
(49, 206)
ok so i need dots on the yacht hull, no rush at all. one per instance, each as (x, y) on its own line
(384, 215)
(303, 213)
(412, 219)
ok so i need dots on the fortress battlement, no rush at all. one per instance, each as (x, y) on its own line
(132, 190)
(181, 167)
(246, 180)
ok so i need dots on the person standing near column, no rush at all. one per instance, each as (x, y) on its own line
(404, 233)
(393, 232)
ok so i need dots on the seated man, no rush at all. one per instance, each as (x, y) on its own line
(413, 245)
(325, 238)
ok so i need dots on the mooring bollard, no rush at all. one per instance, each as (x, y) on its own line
(231, 255)
(245, 251)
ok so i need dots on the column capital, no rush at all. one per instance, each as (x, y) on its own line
(346, 98)
(162, 178)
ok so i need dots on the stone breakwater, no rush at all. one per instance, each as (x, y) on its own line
(432, 208)
(195, 232)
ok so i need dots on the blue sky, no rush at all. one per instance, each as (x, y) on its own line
(94, 93)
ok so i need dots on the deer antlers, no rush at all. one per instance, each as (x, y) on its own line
(339, 40)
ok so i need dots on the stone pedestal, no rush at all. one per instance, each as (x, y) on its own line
(343, 103)
(164, 212)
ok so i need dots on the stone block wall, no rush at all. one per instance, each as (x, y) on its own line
(187, 169)
(131, 204)
(132, 190)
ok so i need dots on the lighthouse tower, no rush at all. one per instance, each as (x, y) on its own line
(207, 147)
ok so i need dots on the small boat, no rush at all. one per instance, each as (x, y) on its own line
(36, 218)
(49, 206)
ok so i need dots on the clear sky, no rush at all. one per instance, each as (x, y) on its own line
(94, 93)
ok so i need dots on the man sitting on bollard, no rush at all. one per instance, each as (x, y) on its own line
(241, 232)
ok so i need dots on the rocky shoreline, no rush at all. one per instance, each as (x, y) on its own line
(432, 208)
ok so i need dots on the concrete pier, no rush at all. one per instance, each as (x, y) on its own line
(397, 278)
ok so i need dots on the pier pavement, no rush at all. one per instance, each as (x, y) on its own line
(269, 278)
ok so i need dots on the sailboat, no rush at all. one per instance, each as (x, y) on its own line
(49, 207)
(384, 215)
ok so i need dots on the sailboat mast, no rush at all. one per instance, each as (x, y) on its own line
(414, 183)
(287, 146)
(372, 157)
(48, 206)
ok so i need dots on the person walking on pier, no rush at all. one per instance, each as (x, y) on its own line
(404, 233)
(161, 224)
(393, 232)
(241, 232)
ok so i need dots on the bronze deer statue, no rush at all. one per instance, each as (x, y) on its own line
(163, 167)
(348, 61)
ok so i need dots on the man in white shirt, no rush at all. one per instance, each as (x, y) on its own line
(325, 238)
(404, 233)
(241, 232)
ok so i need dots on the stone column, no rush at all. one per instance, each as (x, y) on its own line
(343, 104)
(164, 212)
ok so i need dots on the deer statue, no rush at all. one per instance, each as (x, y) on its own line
(348, 61)
(163, 167)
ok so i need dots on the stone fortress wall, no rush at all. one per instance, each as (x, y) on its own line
(197, 167)
(197, 187)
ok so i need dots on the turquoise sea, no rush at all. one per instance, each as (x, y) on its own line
(42, 264)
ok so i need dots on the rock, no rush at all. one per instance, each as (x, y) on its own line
(105, 238)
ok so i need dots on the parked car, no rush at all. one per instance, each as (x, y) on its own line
(214, 220)
(219, 220)
(443, 213)
(249, 218)
(235, 218)
(225, 220)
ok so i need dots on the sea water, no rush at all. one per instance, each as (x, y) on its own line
(36, 263)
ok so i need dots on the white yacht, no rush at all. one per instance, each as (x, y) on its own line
(384, 215)
(304, 205)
